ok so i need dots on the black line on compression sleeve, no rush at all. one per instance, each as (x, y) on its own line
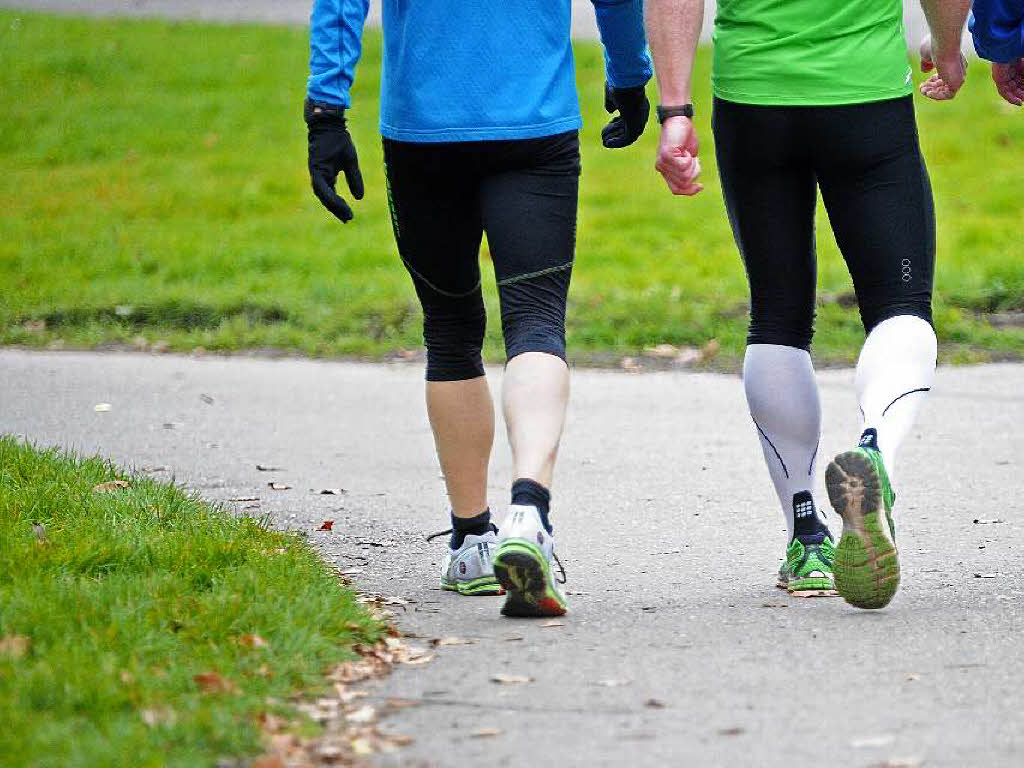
(919, 389)
(773, 447)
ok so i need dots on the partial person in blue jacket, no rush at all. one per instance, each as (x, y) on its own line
(998, 30)
(479, 119)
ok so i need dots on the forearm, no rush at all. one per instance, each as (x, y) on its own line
(335, 44)
(946, 20)
(621, 25)
(673, 28)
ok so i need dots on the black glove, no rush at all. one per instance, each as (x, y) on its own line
(629, 124)
(331, 151)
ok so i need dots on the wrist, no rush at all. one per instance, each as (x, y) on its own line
(316, 111)
(666, 112)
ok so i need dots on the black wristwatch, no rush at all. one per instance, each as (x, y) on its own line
(664, 113)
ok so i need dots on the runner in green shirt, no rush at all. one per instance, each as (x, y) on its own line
(816, 95)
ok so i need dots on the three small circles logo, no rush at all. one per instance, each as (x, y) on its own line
(905, 264)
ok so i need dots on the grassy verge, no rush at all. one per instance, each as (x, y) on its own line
(155, 192)
(141, 627)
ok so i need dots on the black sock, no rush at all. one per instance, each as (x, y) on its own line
(530, 493)
(470, 526)
(807, 525)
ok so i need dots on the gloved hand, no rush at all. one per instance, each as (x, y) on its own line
(331, 151)
(629, 124)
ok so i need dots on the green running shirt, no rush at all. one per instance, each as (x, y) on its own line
(810, 52)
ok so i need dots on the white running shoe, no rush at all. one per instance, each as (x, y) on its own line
(522, 565)
(469, 570)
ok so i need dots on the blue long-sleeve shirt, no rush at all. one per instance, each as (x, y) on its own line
(998, 29)
(471, 70)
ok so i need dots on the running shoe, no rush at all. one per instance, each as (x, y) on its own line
(867, 567)
(522, 565)
(807, 571)
(469, 570)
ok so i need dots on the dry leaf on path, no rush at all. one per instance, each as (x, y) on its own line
(552, 623)
(332, 491)
(482, 733)
(15, 646)
(655, 704)
(212, 682)
(363, 715)
(983, 521)
(279, 486)
(111, 486)
(986, 575)
(445, 642)
(511, 679)
(900, 762)
(612, 683)
(326, 526)
(102, 407)
(266, 468)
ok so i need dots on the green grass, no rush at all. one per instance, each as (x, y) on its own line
(133, 593)
(155, 190)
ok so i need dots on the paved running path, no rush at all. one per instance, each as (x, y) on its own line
(297, 12)
(671, 538)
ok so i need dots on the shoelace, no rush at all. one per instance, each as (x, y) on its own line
(561, 568)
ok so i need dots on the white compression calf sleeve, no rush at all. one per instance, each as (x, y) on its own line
(894, 373)
(783, 398)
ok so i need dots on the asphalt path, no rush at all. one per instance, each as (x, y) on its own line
(678, 649)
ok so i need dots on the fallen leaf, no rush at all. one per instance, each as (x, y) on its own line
(445, 642)
(511, 679)
(912, 677)
(655, 704)
(113, 485)
(327, 525)
(279, 486)
(266, 468)
(400, 703)
(157, 716)
(15, 646)
(329, 752)
(363, 715)
(102, 407)
(252, 641)
(552, 623)
(612, 683)
(710, 349)
(982, 521)
(900, 762)
(211, 682)
(986, 575)
(482, 733)
(332, 491)
(868, 742)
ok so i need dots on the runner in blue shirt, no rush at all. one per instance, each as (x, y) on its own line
(998, 30)
(479, 118)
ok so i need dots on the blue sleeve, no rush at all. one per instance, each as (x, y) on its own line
(998, 29)
(627, 62)
(335, 42)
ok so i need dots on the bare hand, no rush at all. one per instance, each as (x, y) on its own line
(1009, 80)
(952, 70)
(677, 159)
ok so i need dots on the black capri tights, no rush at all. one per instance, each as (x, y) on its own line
(523, 194)
(867, 162)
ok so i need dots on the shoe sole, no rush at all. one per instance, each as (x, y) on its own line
(485, 585)
(808, 588)
(525, 574)
(867, 567)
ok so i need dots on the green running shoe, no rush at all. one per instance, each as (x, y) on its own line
(867, 567)
(807, 571)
